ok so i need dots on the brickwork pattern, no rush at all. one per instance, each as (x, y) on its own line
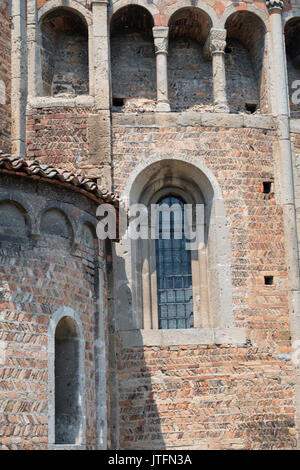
(190, 397)
(58, 137)
(38, 277)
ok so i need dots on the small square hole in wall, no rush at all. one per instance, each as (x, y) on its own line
(269, 280)
(251, 107)
(118, 102)
(267, 187)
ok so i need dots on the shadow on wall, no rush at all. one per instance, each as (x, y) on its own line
(133, 63)
(134, 420)
(64, 54)
(189, 72)
(246, 85)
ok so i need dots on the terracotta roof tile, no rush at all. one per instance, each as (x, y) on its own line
(35, 169)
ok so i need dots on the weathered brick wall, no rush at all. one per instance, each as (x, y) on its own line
(189, 75)
(241, 82)
(217, 396)
(58, 137)
(5, 77)
(133, 66)
(38, 277)
(295, 140)
(64, 55)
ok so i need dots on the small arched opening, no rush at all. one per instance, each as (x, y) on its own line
(244, 63)
(133, 64)
(189, 71)
(64, 53)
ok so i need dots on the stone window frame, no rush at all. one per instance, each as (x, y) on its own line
(222, 329)
(56, 317)
(198, 261)
(35, 96)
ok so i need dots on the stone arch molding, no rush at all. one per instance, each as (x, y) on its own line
(69, 4)
(171, 9)
(151, 7)
(289, 15)
(55, 319)
(231, 9)
(219, 244)
(211, 184)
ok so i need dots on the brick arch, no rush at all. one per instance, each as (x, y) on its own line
(150, 7)
(71, 5)
(69, 222)
(231, 9)
(294, 13)
(199, 5)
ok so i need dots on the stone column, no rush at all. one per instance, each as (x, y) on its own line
(285, 176)
(217, 44)
(160, 34)
(33, 51)
(278, 57)
(18, 78)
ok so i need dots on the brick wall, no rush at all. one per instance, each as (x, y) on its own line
(242, 87)
(5, 76)
(64, 54)
(38, 277)
(133, 66)
(58, 137)
(217, 396)
(189, 75)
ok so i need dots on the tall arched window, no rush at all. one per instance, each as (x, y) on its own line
(68, 402)
(174, 269)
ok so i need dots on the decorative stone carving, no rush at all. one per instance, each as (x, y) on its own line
(217, 40)
(161, 45)
(160, 35)
(274, 4)
(215, 43)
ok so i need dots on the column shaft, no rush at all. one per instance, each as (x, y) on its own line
(160, 34)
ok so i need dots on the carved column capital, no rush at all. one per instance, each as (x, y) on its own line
(160, 35)
(217, 40)
(274, 5)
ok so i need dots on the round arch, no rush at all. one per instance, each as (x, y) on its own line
(71, 5)
(231, 9)
(215, 255)
(199, 5)
(210, 187)
(150, 7)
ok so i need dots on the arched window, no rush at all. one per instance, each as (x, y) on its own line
(68, 406)
(174, 269)
(133, 63)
